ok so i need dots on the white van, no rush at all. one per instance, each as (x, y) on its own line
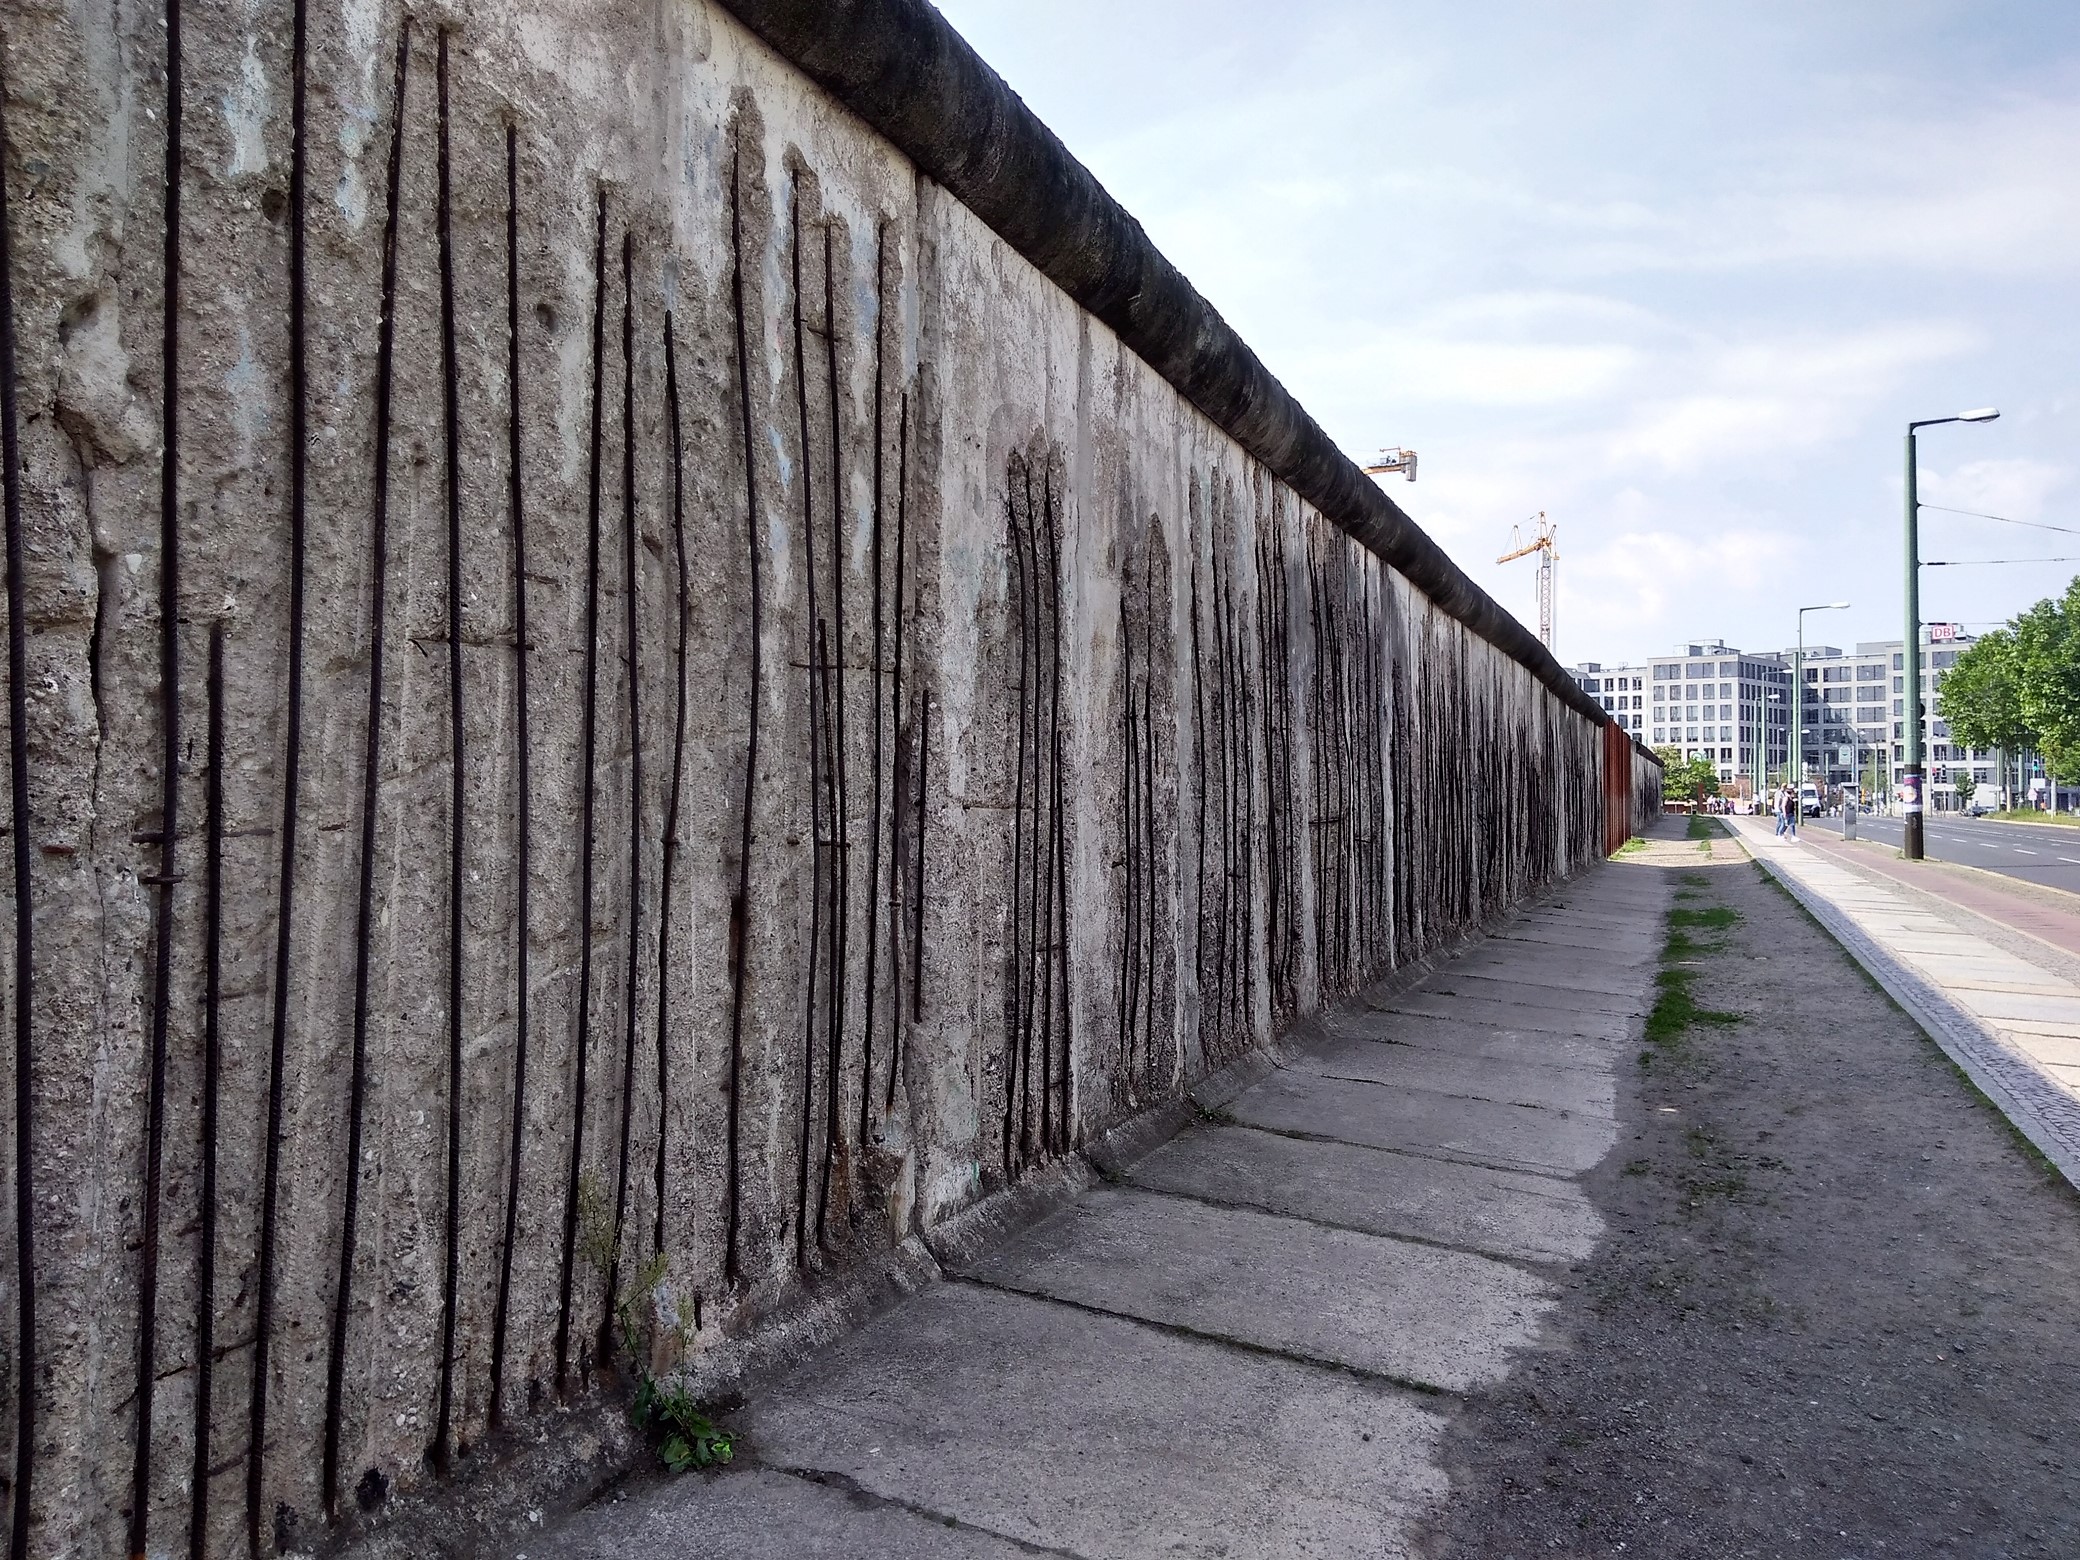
(1809, 800)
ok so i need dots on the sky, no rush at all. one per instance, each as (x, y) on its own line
(1676, 275)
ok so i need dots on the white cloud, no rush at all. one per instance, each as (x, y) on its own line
(2016, 489)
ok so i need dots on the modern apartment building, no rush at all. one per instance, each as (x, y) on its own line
(1729, 705)
(1711, 700)
(1620, 689)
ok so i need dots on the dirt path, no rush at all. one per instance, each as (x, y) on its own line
(1838, 1309)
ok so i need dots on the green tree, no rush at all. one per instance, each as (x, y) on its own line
(1981, 696)
(2047, 646)
(1686, 780)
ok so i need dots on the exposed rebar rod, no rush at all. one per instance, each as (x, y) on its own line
(872, 982)
(740, 904)
(1018, 819)
(371, 786)
(841, 820)
(816, 826)
(292, 791)
(631, 616)
(441, 1452)
(523, 800)
(665, 883)
(206, 1137)
(168, 877)
(900, 802)
(587, 795)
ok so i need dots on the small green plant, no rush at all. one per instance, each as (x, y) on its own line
(687, 1438)
(1632, 847)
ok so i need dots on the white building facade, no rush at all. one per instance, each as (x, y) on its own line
(1733, 708)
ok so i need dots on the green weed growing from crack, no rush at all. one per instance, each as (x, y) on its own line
(666, 1410)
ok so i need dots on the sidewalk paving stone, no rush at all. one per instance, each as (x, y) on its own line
(1514, 1137)
(1415, 1313)
(1529, 1047)
(1471, 1077)
(1530, 1015)
(1102, 1437)
(1504, 1213)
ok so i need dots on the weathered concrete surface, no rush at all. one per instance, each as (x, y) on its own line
(1102, 1437)
(1425, 1031)
(1584, 1091)
(1501, 1213)
(1513, 1137)
(741, 1511)
(884, 626)
(1530, 1016)
(1387, 1307)
(1193, 1361)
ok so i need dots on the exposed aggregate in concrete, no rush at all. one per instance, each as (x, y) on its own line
(431, 282)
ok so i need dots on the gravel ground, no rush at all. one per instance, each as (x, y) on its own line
(1837, 1310)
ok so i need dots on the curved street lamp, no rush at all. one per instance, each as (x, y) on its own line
(1907, 784)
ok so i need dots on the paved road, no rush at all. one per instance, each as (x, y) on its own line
(2036, 853)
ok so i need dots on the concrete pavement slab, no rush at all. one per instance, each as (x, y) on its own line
(1515, 1137)
(1105, 1438)
(1504, 1213)
(1623, 948)
(747, 1513)
(1469, 1009)
(1591, 1092)
(1494, 984)
(1415, 1313)
(1530, 1047)
(1999, 1005)
(1621, 986)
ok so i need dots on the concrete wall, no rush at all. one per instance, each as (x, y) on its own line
(1086, 753)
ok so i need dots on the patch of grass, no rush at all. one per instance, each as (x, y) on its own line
(1632, 847)
(2026, 815)
(1716, 917)
(1676, 1011)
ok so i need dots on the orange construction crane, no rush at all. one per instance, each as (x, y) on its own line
(1545, 539)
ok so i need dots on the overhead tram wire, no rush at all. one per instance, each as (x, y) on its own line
(1976, 514)
(1960, 563)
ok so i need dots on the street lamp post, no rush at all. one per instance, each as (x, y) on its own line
(1763, 700)
(1798, 690)
(1907, 784)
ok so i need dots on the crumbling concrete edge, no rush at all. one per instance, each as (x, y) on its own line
(2012, 1084)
